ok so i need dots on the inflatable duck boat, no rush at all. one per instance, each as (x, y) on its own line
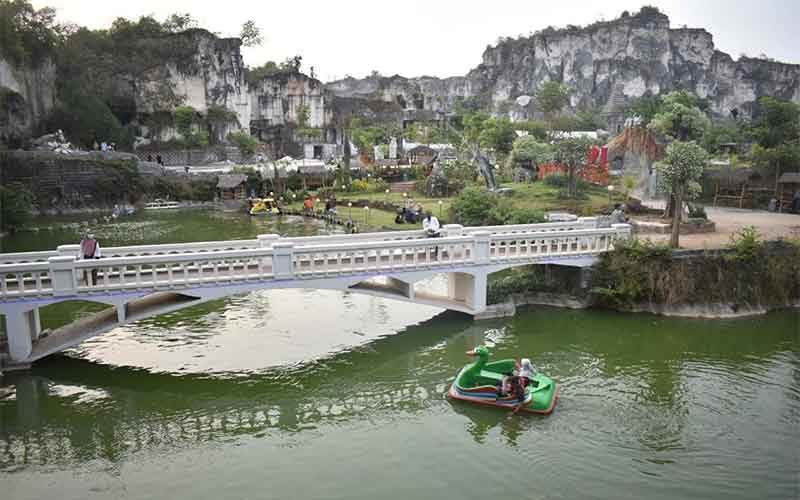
(481, 382)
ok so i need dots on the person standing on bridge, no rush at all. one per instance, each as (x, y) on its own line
(90, 249)
(432, 228)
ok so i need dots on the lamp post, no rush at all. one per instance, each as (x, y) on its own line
(366, 214)
(610, 192)
(386, 198)
(350, 210)
(440, 209)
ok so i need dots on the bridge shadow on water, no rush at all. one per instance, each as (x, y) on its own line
(67, 407)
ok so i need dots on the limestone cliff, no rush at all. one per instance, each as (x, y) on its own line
(27, 95)
(204, 72)
(606, 64)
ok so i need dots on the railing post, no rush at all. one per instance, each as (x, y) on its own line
(482, 240)
(451, 230)
(267, 240)
(62, 274)
(622, 231)
(69, 250)
(282, 260)
(587, 222)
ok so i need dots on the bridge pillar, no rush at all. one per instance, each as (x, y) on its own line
(482, 240)
(468, 288)
(282, 261)
(22, 328)
(62, 274)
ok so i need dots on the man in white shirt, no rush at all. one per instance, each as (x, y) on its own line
(430, 224)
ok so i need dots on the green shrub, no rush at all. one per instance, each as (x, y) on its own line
(16, 204)
(473, 207)
(746, 245)
(360, 185)
(245, 142)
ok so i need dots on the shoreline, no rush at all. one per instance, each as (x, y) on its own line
(509, 308)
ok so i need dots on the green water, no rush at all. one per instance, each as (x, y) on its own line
(321, 394)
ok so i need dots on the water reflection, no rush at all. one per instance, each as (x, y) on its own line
(654, 396)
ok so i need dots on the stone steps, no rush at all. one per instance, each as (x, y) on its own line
(402, 187)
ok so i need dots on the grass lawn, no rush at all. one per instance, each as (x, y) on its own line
(537, 195)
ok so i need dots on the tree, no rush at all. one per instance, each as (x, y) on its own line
(15, 207)
(255, 75)
(573, 152)
(178, 22)
(245, 142)
(498, 134)
(528, 150)
(303, 114)
(535, 128)
(717, 135)
(292, 64)
(777, 133)
(27, 35)
(552, 97)
(681, 117)
(588, 119)
(184, 119)
(251, 34)
(644, 108)
(681, 170)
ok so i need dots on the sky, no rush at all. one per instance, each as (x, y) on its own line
(437, 37)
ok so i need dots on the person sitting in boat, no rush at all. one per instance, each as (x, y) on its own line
(512, 385)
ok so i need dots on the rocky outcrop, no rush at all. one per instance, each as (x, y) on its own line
(204, 72)
(606, 64)
(27, 96)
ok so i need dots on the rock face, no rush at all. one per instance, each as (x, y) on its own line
(606, 64)
(27, 96)
(210, 75)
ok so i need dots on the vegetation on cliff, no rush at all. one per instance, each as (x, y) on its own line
(750, 273)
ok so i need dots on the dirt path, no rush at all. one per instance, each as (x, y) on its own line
(731, 220)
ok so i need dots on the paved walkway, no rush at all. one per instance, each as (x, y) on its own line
(731, 220)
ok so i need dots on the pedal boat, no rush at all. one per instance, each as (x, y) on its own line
(479, 382)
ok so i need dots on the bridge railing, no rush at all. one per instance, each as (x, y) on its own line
(281, 259)
(265, 240)
(321, 260)
(509, 247)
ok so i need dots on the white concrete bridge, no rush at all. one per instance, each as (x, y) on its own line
(147, 280)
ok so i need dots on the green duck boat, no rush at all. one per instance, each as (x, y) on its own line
(480, 382)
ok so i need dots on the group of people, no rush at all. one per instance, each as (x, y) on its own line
(515, 384)
(105, 146)
(158, 159)
(411, 213)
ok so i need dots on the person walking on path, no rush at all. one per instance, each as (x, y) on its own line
(90, 249)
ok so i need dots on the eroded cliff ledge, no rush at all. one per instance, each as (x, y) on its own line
(606, 64)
